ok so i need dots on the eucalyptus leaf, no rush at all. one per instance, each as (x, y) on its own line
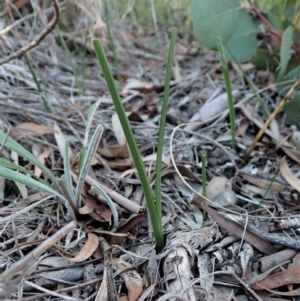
(243, 43)
(274, 17)
(292, 109)
(285, 51)
(263, 59)
(288, 80)
(214, 19)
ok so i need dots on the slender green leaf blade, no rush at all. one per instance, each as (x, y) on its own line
(248, 80)
(156, 224)
(91, 112)
(26, 180)
(110, 203)
(88, 156)
(6, 163)
(67, 171)
(162, 125)
(21, 151)
(229, 96)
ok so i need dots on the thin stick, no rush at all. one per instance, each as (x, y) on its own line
(38, 39)
(34, 255)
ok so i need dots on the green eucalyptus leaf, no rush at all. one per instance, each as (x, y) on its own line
(288, 81)
(243, 42)
(291, 9)
(263, 59)
(285, 51)
(274, 17)
(214, 19)
(292, 109)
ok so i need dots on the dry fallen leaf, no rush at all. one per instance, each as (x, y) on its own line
(238, 230)
(116, 151)
(87, 250)
(30, 129)
(288, 176)
(286, 277)
(262, 183)
(133, 280)
(99, 211)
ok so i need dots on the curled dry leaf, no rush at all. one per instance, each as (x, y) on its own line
(118, 130)
(97, 210)
(129, 224)
(86, 209)
(90, 246)
(133, 280)
(61, 140)
(116, 151)
(288, 176)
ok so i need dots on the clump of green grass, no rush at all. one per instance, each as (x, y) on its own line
(62, 188)
(153, 203)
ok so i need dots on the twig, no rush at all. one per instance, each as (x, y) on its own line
(271, 117)
(38, 39)
(272, 31)
(107, 287)
(292, 243)
(49, 292)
